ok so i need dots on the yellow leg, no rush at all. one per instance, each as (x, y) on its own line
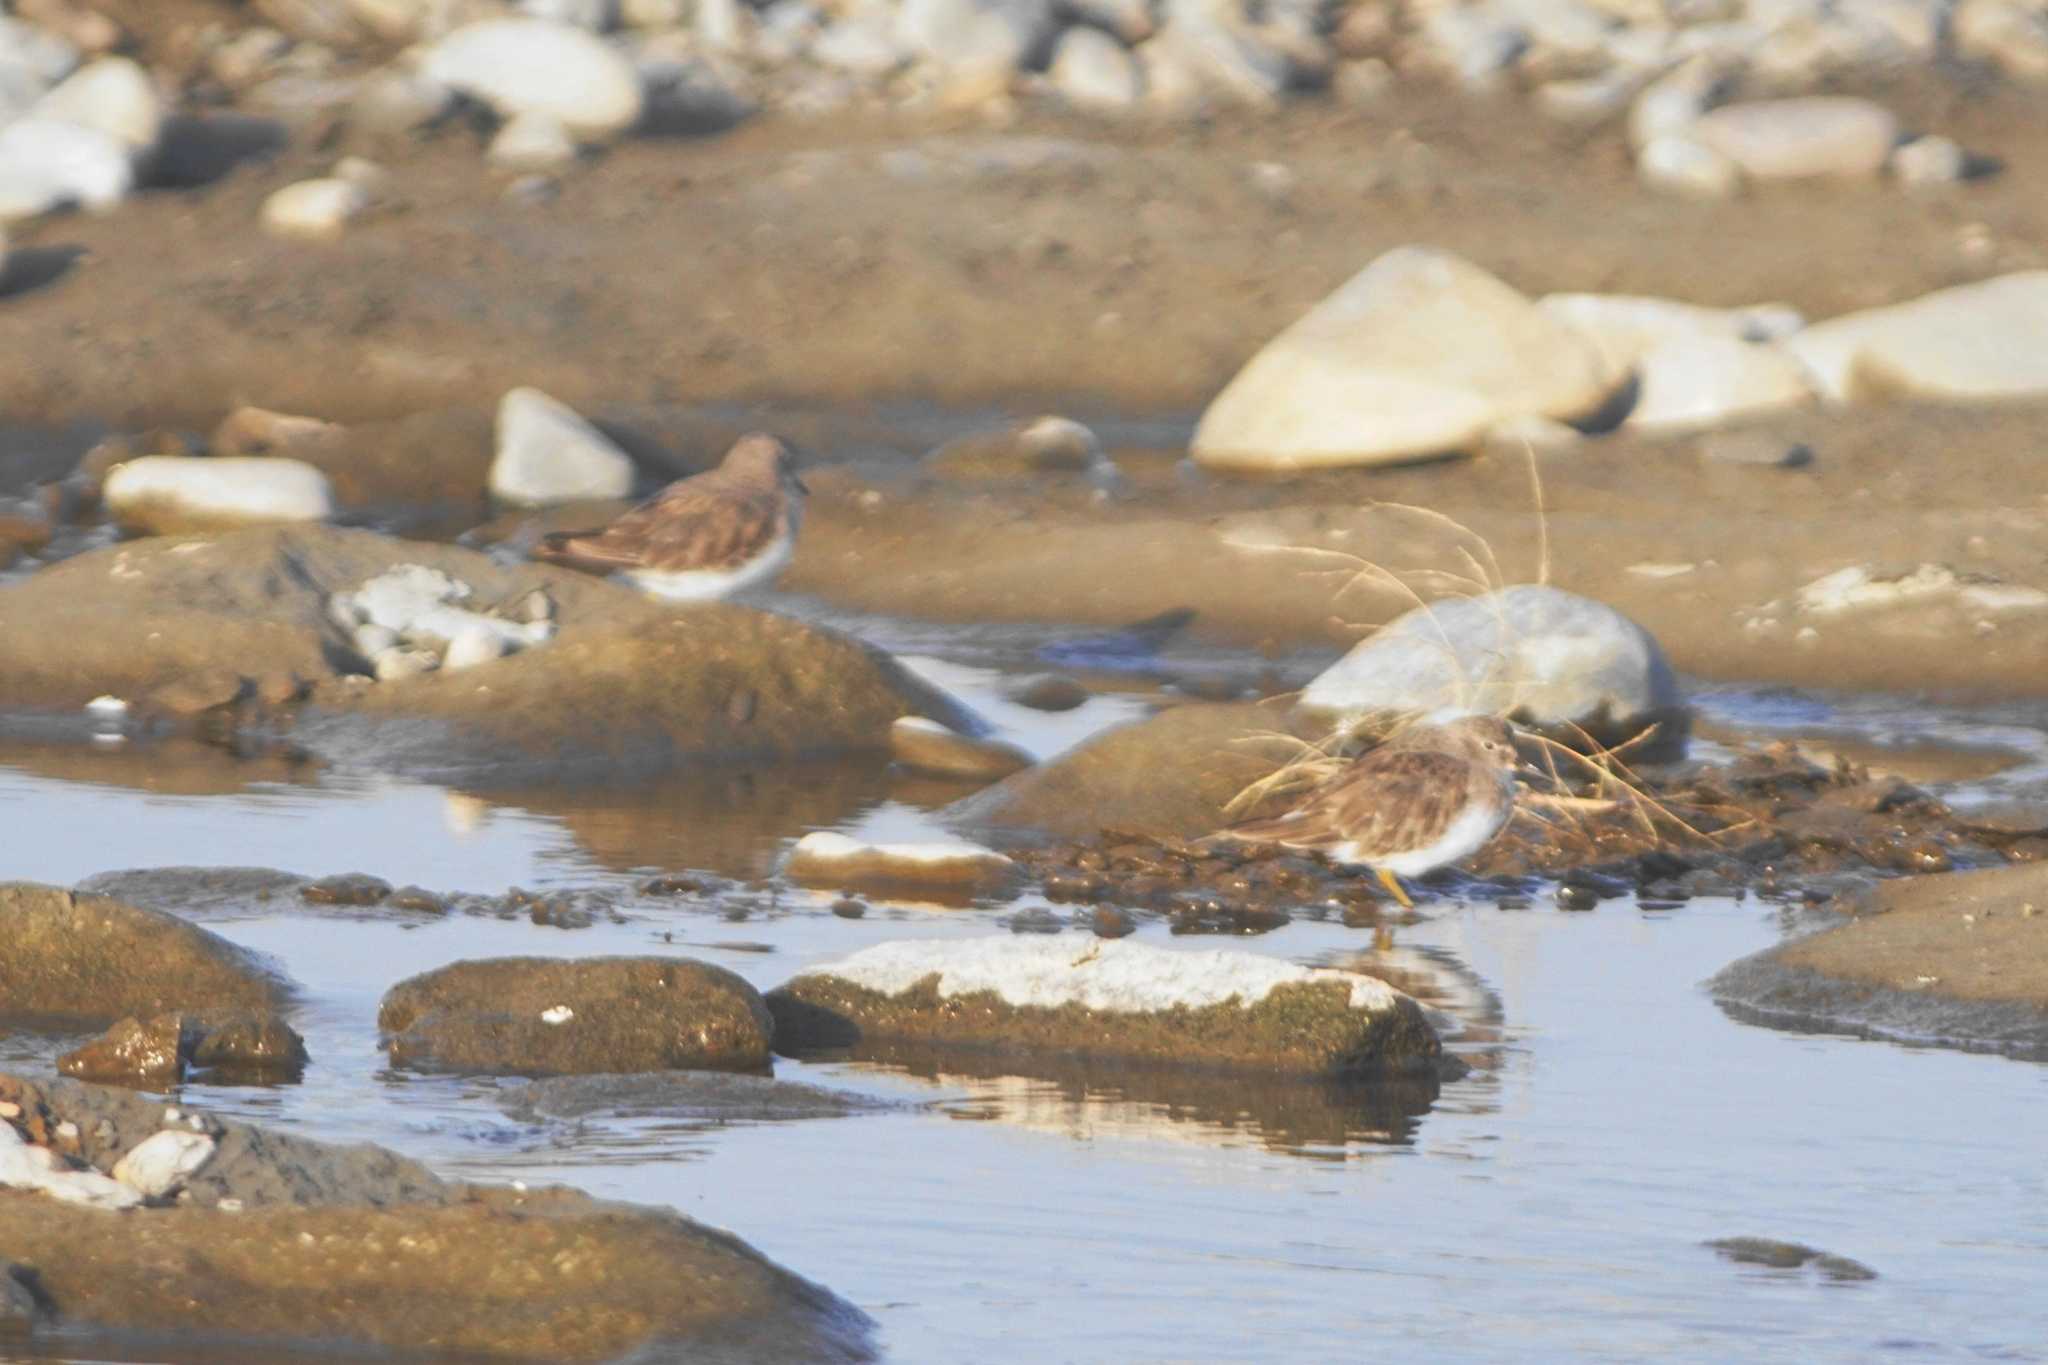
(1394, 888)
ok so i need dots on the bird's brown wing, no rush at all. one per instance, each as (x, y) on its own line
(1387, 802)
(698, 523)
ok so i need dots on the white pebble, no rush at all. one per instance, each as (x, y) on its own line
(314, 208)
(164, 1161)
(558, 1014)
(473, 647)
(107, 706)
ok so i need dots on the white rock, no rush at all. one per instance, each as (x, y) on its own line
(41, 56)
(595, 16)
(1980, 341)
(1702, 381)
(1671, 104)
(373, 640)
(1091, 70)
(1120, 976)
(48, 164)
(1534, 651)
(113, 95)
(863, 43)
(532, 141)
(1626, 327)
(1861, 588)
(548, 454)
(1418, 354)
(396, 665)
(1206, 49)
(2010, 34)
(164, 1161)
(521, 65)
(973, 36)
(472, 647)
(1798, 139)
(24, 1166)
(557, 1014)
(420, 606)
(945, 865)
(1932, 160)
(314, 209)
(225, 491)
(1683, 166)
(724, 25)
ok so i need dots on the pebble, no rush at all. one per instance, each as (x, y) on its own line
(1929, 161)
(314, 209)
(48, 164)
(926, 746)
(1091, 70)
(113, 95)
(1686, 166)
(1048, 692)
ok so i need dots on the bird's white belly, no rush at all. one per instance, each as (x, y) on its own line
(703, 585)
(1471, 831)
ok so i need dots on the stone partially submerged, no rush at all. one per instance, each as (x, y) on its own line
(548, 1017)
(941, 869)
(1544, 657)
(1079, 995)
(96, 959)
(319, 1232)
(1974, 343)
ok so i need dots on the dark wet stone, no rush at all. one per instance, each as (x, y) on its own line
(1036, 920)
(674, 884)
(348, 888)
(1776, 1255)
(94, 958)
(507, 1016)
(252, 1046)
(255, 1046)
(1210, 915)
(1048, 692)
(648, 1283)
(1572, 896)
(1110, 922)
(1132, 649)
(566, 910)
(703, 1096)
(418, 899)
(143, 1056)
(20, 1312)
(847, 907)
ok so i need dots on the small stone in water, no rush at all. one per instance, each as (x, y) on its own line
(1110, 922)
(1049, 692)
(417, 898)
(1575, 897)
(349, 888)
(847, 907)
(671, 885)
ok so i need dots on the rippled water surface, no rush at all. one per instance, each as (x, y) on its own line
(1551, 1205)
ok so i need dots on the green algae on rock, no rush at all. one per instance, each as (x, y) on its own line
(537, 1016)
(1076, 995)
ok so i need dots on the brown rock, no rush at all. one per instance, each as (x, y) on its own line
(205, 690)
(258, 431)
(539, 1016)
(94, 958)
(1049, 692)
(24, 533)
(925, 746)
(359, 1250)
(146, 1056)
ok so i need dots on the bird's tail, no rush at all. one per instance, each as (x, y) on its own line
(566, 547)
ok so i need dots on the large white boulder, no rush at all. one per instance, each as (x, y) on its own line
(548, 454)
(1982, 341)
(1418, 354)
(521, 66)
(1541, 655)
(183, 492)
(1627, 327)
(48, 163)
(1702, 381)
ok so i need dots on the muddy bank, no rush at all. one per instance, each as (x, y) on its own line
(1960, 959)
(322, 1248)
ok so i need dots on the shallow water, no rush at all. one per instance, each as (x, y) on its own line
(1550, 1205)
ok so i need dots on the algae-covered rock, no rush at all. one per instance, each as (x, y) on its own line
(359, 1251)
(83, 957)
(1079, 995)
(546, 1017)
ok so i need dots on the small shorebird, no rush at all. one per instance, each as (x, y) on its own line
(1428, 797)
(710, 535)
